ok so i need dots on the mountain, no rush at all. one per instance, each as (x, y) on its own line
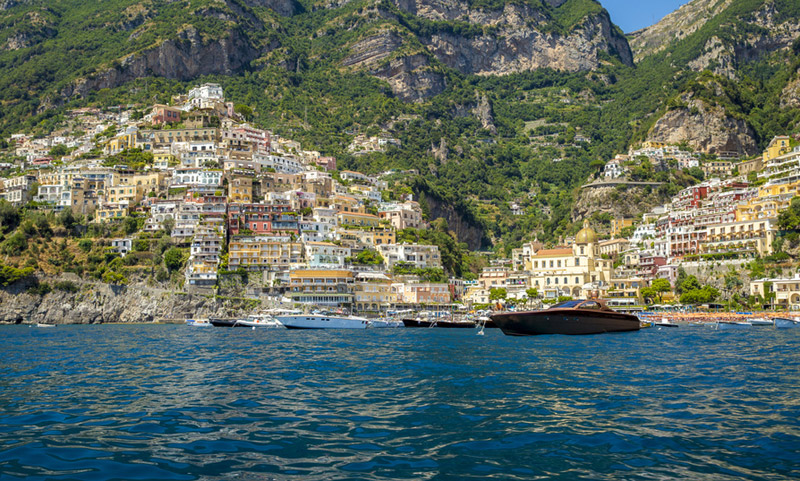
(495, 102)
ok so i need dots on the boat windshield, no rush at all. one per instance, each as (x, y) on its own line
(565, 304)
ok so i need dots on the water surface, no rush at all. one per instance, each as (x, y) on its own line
(177, 403)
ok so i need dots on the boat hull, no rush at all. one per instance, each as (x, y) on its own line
(783, 323)
(726, 326)
(439, 324)
(564, 321)
(323, 322)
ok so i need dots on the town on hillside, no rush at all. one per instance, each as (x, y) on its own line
(201, 197)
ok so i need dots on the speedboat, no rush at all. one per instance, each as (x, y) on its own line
(448, 324)
(785, 322)
(385, 322)
(727, 325)
(323, 321)
(569, 317)
(759, 321)
(198, 323)
(41, 324)
(258, 320)
(665, 323)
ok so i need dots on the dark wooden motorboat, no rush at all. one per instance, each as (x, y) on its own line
(570, 317)
(221, 322)
(439, 323)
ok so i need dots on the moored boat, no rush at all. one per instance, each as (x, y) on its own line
(41, 324)
(729, 325)
(223, 322)
(760, 322)
(785, 322)
(258, 320)
(323, 321)
(385, 323)
(571, 317)
(198, 323)
(448, 324)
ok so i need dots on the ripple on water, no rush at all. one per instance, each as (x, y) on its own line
(171, 402)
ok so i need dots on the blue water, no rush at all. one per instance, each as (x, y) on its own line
(178, 403)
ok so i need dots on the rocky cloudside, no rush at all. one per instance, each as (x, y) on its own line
(96, 303)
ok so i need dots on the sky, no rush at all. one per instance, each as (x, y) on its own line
(632, 15)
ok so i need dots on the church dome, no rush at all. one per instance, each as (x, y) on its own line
(586, 235)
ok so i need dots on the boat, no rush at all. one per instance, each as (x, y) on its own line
(760, 322)
(385, 323)
(223, 322)
(258, 320)
(569, 317)
(198, 323)
(41, 324)
(323, 321)
(784, 322)
(728, 325)
(665, 323)
(448, 324)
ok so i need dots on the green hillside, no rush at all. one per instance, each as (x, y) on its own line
(293, 73)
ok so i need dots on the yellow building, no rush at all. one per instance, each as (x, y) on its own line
(375, 237)
(322, 287)
(357, 219)
(120, 143)
(110, 212)
(777, 147)
(240, 189)
(770, 202)
(740, 237)
(787, 291)
(263, 252)
(373, 292)
(619, 223)
(565, 271)
(651, 144)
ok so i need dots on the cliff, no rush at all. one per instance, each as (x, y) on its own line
(96, 303)
(674, 27)
(705, 127)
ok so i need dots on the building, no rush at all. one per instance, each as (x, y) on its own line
(332, 288)
(372, 292)
(275, 252)
(786, 291)
(417, 256)
(718, 168)
(262, 219)
(426, 293)
(325, 254)
(402, 216)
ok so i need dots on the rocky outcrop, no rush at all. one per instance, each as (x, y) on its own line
(515, 39)
(790, 97)
(183, 58)
(619, 201)
(283, 7)
(674, 27)
(705, 128)
(411, 77)
(748, 37)
(464, 230)
(102, 303)
(483, 112)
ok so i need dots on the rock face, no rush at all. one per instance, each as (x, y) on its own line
(706, 128)
(624, 200)
(749, 37)
(184, 58)
(467, 232)
(102, 303)
(675, 26)
(411, 77)
(790, 97)
(514, 40)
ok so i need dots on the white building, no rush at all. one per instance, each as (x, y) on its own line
(418, 256)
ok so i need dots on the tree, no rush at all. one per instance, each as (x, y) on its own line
(168, 224)
(67, 219)
(660, 286)
(368, 257)
(130, 225)
(532, 292)
(173, 259)
(648, 293)
(690, 284)
(498, 294)
(789, 219)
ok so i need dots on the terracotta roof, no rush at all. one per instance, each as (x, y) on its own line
(554, 252)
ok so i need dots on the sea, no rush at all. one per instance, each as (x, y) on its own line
(172, 402)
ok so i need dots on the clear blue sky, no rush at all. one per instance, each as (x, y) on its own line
(632, 15)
